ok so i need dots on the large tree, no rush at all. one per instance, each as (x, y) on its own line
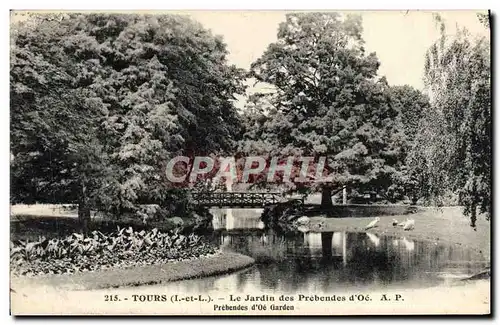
(328, 102)
(100, 103)
(457, 74)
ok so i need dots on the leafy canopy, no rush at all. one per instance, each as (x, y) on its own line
(458, 76)
(328, 101)
(100, 103)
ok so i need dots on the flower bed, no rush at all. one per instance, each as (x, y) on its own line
(98, 251)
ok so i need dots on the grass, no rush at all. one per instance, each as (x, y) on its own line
(447, 225)
(50, 210)
(221, 263)
(31, 227)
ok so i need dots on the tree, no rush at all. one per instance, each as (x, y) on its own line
(413, 106)
(54, 124)
(100, 103)
(457, 74)
(328, 101)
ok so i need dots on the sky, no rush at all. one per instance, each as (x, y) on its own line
(399, 38)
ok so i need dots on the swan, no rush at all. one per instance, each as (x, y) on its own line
(303, 220)
(395, 222)
(402, 224)
(409, 225)
(373, 223)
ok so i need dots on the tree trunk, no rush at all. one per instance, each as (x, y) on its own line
(473, 216)
(83, 216)
(473, 208)
(326, 198)
(83, 210)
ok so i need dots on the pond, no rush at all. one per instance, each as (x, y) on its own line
(328, 261)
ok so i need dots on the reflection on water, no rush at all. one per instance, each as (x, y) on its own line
(237, 218)
(340, 260)
(329, 261)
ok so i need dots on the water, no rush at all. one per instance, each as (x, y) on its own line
(328, 261)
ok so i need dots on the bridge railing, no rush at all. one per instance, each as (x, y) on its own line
(235, 199)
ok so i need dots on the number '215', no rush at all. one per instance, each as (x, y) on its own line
(111, 298)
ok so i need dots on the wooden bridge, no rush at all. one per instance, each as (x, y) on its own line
(234, 199)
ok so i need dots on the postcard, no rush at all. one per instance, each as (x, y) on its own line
(273, 163)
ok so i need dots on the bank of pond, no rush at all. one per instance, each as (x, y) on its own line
(265, 252)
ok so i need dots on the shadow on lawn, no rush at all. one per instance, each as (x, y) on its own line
(32, 227)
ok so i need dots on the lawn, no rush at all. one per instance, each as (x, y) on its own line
(220, 263)
(447, 225)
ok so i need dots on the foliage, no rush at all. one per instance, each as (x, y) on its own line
(100, 102)
(328, 101)
(410, 178)
(457, 74)
(484, 19)
(412, 105)
(125, 247)
(282, 216)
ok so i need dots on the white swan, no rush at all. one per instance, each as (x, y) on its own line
(303, 220)
(402, 224)
(373, 223)
(409, 225)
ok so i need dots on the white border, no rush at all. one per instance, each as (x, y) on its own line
(181, 5)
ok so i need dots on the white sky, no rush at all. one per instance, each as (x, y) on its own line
(400, 39)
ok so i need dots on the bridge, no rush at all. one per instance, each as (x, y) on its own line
(235, 199)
